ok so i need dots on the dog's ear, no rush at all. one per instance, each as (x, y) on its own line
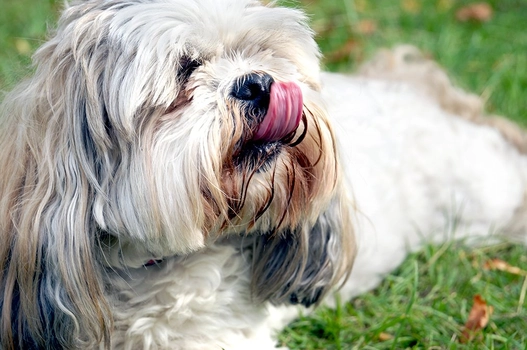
(301, 266)
(50, 284)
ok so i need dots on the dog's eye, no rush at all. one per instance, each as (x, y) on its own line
(187, 66)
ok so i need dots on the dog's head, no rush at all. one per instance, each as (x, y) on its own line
(152, 129)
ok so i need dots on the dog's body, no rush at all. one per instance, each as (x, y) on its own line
(432, 175)
(417, 174)
(178, 175)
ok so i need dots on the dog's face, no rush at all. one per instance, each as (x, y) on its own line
(166, 126)
(201, 116)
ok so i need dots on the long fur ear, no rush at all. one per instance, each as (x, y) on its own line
(52, 294)
(301, 266)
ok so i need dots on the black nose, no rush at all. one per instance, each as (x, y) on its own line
(254, 88)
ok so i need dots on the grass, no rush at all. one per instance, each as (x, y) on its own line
(487, 58)
(23, 25)
(425, 303)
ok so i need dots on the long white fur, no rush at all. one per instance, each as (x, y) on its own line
(414, 171)
(417, 175)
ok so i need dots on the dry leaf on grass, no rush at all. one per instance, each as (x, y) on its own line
(385, 336)
(477, 319)
(497, 264)
(479, 12)
(22, 46)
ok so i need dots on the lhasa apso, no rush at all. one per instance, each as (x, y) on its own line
(179, 174)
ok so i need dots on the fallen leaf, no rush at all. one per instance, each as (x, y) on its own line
(366, 26)
(478, 319)
(500, 265)
(385, 336)
(22, 46)
(479, 12)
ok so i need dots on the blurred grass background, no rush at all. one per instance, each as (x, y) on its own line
(23, 27)
(426, 302)
(486, 56)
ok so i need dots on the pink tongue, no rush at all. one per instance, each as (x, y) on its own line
(284, 114)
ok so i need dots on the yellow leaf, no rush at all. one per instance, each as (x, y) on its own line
(22, 46)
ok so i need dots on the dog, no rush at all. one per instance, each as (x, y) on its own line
(179, 174)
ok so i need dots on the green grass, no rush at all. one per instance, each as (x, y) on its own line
(23, 25)
(486, 58)
(424, 304)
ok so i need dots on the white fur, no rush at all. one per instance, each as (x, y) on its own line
(417, 174)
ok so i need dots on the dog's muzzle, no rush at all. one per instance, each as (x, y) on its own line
(275, 107)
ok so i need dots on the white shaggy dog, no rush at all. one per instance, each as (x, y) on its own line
(178, 174)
